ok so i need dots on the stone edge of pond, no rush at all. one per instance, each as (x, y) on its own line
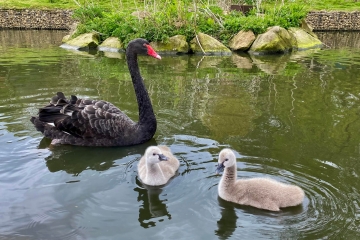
(61, 20)
(275, 40)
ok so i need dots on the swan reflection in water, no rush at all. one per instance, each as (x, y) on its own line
(153, 208)
(227, 224)
(75, 159)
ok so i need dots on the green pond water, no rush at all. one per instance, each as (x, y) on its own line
(294, 118)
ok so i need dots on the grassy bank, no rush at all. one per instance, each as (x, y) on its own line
(66, 4)
(169, 18)
(166, 18)
(328, 5)
(346, 5)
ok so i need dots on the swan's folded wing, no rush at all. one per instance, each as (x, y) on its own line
(167, 170)
(87, 118)
(99, 104)
(95, 122)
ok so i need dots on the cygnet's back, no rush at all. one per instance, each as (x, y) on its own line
(261, 193)
(157, 165)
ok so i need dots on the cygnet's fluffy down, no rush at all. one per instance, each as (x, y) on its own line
(261, 193)
(157, 165)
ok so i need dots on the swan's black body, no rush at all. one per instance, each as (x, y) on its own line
(86, 122)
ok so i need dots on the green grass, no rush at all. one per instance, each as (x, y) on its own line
(66, 4)
(38, 4)
(124, 5)
(328, 5)
(348, 5)
(174, 18)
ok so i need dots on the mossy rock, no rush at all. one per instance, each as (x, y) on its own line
(304, 40)
(66, 38)
(111, 44)
(242, 41)
(175, 44)
(308, 28)
(208, 45)
(84, 42)
(275, 40)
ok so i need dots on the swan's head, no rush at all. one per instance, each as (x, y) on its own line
(154, 155)
(142, 46)
(227, 158)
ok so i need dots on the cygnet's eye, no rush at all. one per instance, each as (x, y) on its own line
(154, 154)
(226, 159)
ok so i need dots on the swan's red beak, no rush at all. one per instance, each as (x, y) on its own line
(151, 52)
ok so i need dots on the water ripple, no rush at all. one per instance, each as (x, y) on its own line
(39, 221)
(325, 208)
(326, 204)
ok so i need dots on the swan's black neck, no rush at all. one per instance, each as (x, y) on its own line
(147, 120)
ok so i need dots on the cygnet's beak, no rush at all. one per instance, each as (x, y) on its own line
(219, 168)
(162, 157)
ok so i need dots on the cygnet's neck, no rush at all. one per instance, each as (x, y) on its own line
(154, 170)
(153, 167)
(229, 176)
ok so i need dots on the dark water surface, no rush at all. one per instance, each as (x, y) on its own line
(294, 118)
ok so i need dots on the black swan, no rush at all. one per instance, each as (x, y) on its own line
(87, 122)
